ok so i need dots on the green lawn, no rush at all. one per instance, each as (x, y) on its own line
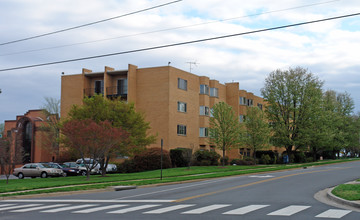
(347, 191)
(142, 178)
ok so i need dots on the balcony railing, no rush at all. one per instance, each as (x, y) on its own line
(116, 92)
(92, 91)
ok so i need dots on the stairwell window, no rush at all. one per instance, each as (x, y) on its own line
(203, 132)
(241, 118)
(204, 89)
(204, 110)
(181, 130)
(181, 107)
(250, 102)
(214, 92)
(182, 84)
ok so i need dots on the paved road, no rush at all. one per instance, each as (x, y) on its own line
(279, 195)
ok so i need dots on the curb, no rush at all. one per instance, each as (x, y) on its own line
(120, 188)
(341, 201)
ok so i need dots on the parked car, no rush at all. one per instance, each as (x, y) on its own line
(68, 171)
(111, 168)
(81, 167)
(33, 170)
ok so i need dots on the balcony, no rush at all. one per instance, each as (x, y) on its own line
(89, 92)
(116, 92)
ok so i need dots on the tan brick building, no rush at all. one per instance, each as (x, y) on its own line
(175, 102)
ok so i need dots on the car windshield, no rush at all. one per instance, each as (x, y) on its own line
(45, 165)
(64, 165)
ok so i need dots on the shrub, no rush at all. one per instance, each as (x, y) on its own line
(201, 155)
(180, 157)
(150, 159)
(265, 159)
(226, 160)
(128, 166)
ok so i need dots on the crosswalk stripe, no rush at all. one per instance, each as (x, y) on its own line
(333, 213)
(290, 210)
(68, 208)
(4, 205)
(121, 211)
(39, 208)
(99, 208)
(168, 209)
(18, 207)
(205, 209)
(245, 210)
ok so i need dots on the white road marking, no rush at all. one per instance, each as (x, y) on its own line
(68, 208)
(99, 208)
(19, 207)
(121, 211)
(168, 209)
(4, 205)
(290, 210)
(333, 213)
(39, 208)
(245, 210)
(259, 176)
(205, 209)
(93, 201)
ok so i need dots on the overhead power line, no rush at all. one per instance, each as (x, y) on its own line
(181, 43)
(88, 24)
(169, 29)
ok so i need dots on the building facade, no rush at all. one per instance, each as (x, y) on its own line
(175, 102)
(28, 139)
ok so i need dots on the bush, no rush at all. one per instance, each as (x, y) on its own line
(226, 160)
(246, 161)
(180, 157)
(265, 159)
(202, 155)
(128, 166)
(150, 159)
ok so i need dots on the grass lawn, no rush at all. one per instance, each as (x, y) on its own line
(76, 183)
(347, 191)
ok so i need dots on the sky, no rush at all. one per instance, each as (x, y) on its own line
(330, 49)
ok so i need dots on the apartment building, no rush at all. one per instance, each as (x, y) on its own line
(175, 102)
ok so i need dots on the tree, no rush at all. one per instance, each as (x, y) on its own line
(257, 132)
(92, 140)
(8, 158)
(121, 115)
(292, 95)
(225, 129)
(51, 127)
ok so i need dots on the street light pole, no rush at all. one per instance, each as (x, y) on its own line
(161, 160)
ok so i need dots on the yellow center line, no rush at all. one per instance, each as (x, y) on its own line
(253, 183)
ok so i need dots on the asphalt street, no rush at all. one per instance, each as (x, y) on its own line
(276, 195)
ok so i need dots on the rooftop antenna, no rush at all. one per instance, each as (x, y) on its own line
(192, 63)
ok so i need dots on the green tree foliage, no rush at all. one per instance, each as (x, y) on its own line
(120, 114)
(292, 97)
(257, 132)
(225, 130)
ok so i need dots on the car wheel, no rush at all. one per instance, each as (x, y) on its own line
(44, 175)
(64, 174)
(21, 176)
(83, 173)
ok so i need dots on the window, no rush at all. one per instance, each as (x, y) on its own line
(214, 92)
(122, 87)
(249, 102)
(182, 84)
(241, 118)
(203, 132)
(99, 87)
(211, 112)
(181, 130)
(260, 106)
(244, 152)
(204, 89)
(204, 110)
(212, 148)
(181, 107)
(242, 101)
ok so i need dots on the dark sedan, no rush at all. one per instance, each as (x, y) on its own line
(68, 171)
